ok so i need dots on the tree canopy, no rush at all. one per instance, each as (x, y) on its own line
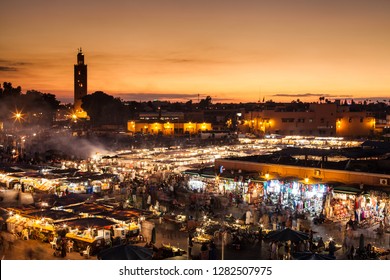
(37, 107)
(104, 109)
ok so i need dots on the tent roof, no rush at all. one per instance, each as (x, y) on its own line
(127, 214)
(286, 235)
(85, 223)
(53, 214)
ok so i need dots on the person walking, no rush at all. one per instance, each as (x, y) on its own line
(212, 251)
(204, 252)
(287, 251)
(273, 250)
(63, 247)
(320, 245)
(280, 251)
(190, 243)
(351, 252)
(332, 248)
(248, 217)
(264, 220)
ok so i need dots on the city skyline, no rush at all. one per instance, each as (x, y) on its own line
(174, 50)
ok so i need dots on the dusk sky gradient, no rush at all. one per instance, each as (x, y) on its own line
(231, 50)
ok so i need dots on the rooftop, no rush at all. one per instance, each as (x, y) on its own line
(367, 158)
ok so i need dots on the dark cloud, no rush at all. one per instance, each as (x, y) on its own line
(11, 66)
(308, 95)
(21, 63)
(179, 60)
(174, 58)
(172, 97)
(8, 69)
(154, 96)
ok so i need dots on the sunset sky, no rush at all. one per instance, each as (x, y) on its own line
(232, 50)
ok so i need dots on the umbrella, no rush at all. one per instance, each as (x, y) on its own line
(126, 252)
(287, 234)
(312, 256)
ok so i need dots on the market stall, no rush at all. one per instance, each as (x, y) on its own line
(27, 226)
(372, 208)
(16, 223)
(129, 220)
(340, 203)
(94, 232)
(296, 195)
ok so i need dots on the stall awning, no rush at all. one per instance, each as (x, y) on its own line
(347, 189)
(191, 172)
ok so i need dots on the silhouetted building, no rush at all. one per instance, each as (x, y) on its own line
(80, 84)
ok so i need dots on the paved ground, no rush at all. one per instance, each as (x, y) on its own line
(35, 250)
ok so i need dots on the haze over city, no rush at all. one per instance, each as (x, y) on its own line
(233, 51)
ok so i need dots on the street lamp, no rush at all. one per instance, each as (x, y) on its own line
(18, 116)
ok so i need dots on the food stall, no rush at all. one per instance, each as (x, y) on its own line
(128, 221)
(93, 232)
(169, 251)
(201, 237)
(32, 225)
(42, 230)
(16, 223)
(44, 224)
(10, 181)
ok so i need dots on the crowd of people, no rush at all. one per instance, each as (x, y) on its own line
(168, 192)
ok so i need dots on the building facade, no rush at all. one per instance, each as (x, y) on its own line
(328, 120)
(167, 128)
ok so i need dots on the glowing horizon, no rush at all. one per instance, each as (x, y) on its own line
(242, 51)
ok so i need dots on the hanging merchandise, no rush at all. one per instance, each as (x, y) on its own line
(296, 195)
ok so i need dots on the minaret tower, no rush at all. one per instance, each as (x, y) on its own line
(80, 83)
